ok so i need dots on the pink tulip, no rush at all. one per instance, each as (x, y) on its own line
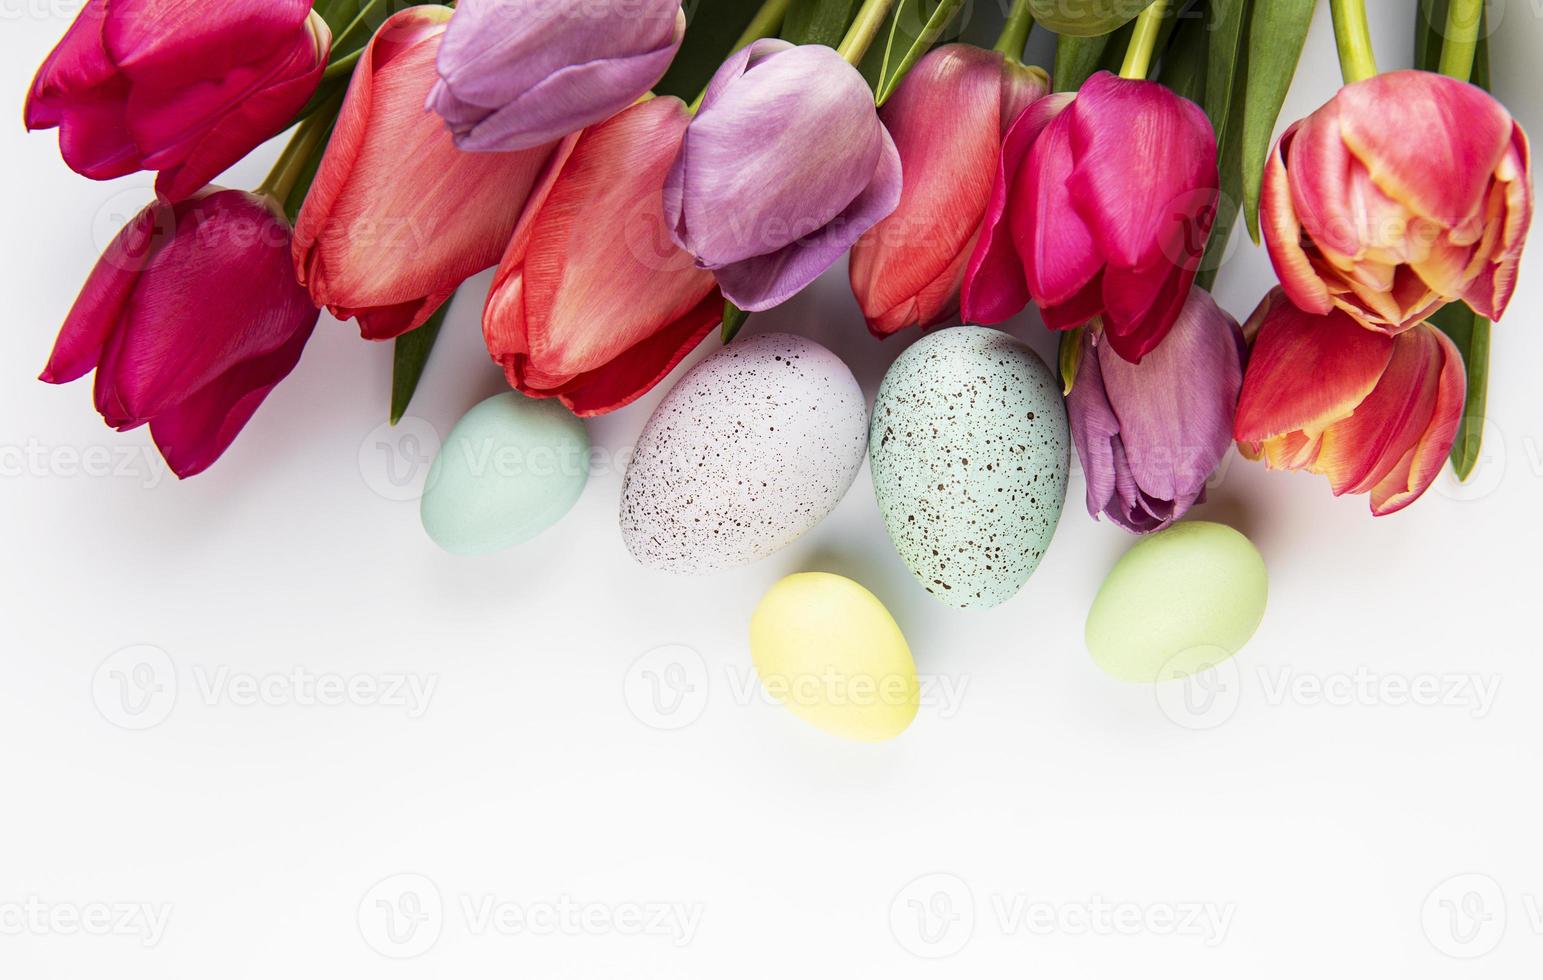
(1375, 414)
(1101, 211)
(1405, 192)
(398, 217)
(947, 119)
(190, 318)
(593, 304)
(179, 86)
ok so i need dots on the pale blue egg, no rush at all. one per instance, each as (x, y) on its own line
(970, 453)
(510, 469)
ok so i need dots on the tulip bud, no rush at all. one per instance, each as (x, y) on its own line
(784, 167)
(1404, 192)
(1102, 211)
(947, 119)
(1375, 414)
(179, 86)
(190, 318)
(515, 74)
(1150, 434)
(593, 303)
(397, 217)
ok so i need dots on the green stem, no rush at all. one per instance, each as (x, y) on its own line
(358, 22)
(766, 23)
(342, 67)
(1015, 33)
(1143, 40)
(291, 162)
(1353, 37)
(864, 29)
(1460, 40)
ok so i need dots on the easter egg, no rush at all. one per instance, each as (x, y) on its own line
(748, 452)
(828, 649)
(1182, 600)
(970, 452)
(510, 469)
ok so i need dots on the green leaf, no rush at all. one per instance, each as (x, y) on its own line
(1085, 18)
(733, 319)
(1227, 18)
(818, 21)
(915, 27)
(1277, 29)
(1429, 18)
(711, 30)
(1229, 163)
(1184, 63)
(1069, 357)
(409, 359)
(1076, 58)
(1470, 332)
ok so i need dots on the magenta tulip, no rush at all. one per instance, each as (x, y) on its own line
(514, 74)
(190, 318)
(1150, 434)
(1406, 191)
(784, 167)
(1102, 211)
(947, 119)
(179, 86)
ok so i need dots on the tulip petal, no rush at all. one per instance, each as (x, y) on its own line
(78, 89)
(1095, 429)
(1059, 256)
(994, 286)
(637, 370)
(1418, 470)
(1306, 372)
(1283, 233)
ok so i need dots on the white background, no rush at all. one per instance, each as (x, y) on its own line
(1313, 807)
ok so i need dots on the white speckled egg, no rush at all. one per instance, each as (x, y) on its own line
(969, 451)
(748, 452)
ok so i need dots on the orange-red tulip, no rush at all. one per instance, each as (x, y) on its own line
(593, 303)
(398, 217)
(1374, 413)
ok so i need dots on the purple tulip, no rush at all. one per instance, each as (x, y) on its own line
(1149, 435)
(783, 169)
(189, 319)
(515, 74)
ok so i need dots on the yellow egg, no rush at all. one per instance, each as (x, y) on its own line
(828, 649)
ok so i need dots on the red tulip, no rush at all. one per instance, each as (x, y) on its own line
(593, 303)
(190, 318)
(397, 217)
(947, 119)
(1405, 192)
(1101, 211)
(180, 86)
(1375, 414)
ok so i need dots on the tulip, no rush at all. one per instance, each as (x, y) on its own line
(179, 86)
(593, 303)
(397, 217)
(189, 319)
(784, 167)
(1149, 435)
(1374, 413)
(1101, 211)
(947, 119)
(516, 74)
(1404, 192)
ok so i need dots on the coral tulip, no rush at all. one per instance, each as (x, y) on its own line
(1374, 413)
(190, 318)
(1102, 211)
(1405, 192)
(179, 86)
(593, 303)
(397, 217)
(947, 119)
(1149, 435)
(514, 74)
(784, 167)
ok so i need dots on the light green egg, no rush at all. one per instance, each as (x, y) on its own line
(510, 469)
(1181, 601)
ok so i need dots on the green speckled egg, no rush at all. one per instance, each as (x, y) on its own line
(969, 452)
(1181, 601)
(510, 469)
